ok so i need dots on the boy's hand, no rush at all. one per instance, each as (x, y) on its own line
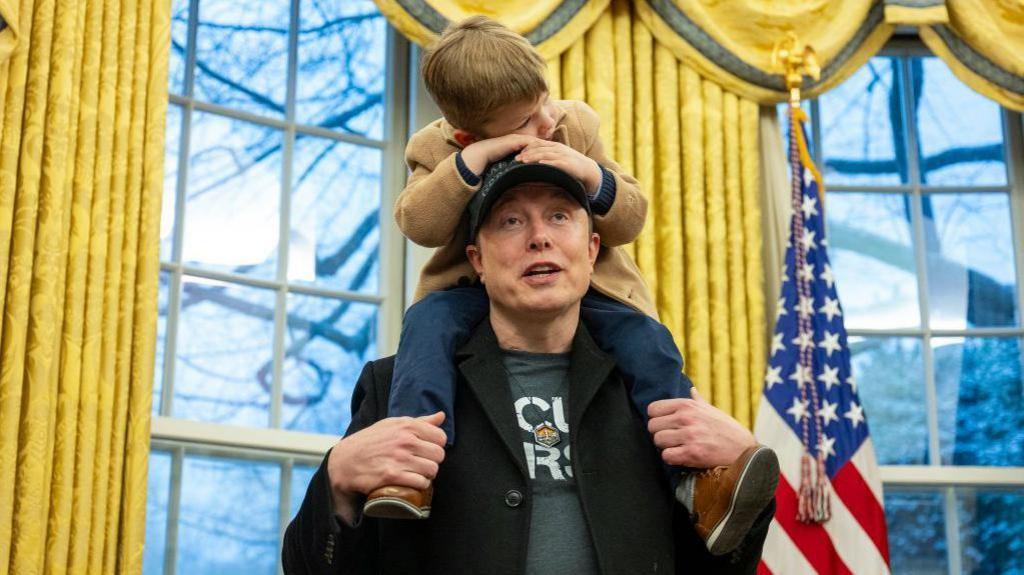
(480, 154)
(561, 156)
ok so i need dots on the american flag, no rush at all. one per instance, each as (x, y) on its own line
(829, 516)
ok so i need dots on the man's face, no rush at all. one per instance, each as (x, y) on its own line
(535, 252)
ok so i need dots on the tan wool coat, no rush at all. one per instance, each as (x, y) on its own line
(431, 209)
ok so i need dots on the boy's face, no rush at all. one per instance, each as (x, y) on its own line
(537, 119)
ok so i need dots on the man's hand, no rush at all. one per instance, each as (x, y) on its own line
(402, 451)
(569, 160)
(694, 433)
(480, 154)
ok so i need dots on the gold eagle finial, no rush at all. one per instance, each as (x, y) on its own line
(795, 60)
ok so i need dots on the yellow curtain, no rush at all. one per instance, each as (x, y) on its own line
(982, 41)
(732, 42)
(694, 148)
(983, 44)
(81, 152)
(551, 25)
(8, 29)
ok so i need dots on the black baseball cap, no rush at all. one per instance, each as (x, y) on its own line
(507, 173)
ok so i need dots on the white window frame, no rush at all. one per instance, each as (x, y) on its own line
(178, 436)
(936, 476)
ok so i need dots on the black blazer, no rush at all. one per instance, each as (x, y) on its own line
(480, 514)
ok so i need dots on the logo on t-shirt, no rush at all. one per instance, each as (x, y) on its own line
(546, 441)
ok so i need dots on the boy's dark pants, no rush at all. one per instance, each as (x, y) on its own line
(441, 323)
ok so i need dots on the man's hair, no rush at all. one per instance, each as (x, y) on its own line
(478, 66)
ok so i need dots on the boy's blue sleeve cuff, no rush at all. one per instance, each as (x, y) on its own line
(467, 174)
(602, 201)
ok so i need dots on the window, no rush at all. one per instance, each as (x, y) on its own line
(280, 265)
(925, 213)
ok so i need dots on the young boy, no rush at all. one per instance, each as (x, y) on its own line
(490, 84)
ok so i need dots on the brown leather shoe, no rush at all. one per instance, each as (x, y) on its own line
(727, 500)
(394, 502)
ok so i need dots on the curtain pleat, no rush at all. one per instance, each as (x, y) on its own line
(698, 322)
(81, 154)
(69, 375)
(12, 286)
(667, 225)
(645, 245)
(753, 269)
(739, 352)
(717, 278)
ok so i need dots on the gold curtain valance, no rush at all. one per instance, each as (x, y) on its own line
(551, 25)
(982, 41)
(731, 42)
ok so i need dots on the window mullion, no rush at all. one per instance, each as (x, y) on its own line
(1013, 129)
(952, 531)
(284, 505)
(393, 174)
(284, 229)
(173, 511)
(917, 225)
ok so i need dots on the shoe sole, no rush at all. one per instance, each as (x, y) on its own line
(394, 508)
(754, 489)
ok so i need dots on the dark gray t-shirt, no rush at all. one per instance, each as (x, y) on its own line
(559, 539)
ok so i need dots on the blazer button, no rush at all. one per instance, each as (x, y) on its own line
(513, 498)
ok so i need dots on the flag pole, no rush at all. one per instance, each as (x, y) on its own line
(796, 60)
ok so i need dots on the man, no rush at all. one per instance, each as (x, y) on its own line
(554, 470)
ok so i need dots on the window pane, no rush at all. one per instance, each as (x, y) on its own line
(971, 275)
(224, 363)
(991, 530)
(862, 127)
(242, 54)
(890, 380)
(179, 43)
(229, 516)
(335, 215)
(340, 85)
(327, 343)
(917, 531)
(301, 475)
(234, 189)
(171, 150)
(163, 300)
(981, 412)
(960, 132)
(157, 496)
(872, 254)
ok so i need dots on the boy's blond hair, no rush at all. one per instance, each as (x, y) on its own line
(477, 66)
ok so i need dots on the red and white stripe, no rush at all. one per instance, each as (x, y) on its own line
(852, 541)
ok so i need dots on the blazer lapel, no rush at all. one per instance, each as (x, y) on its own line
(589, 368)
(483, 368)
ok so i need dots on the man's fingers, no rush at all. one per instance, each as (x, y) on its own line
(664, 407)
(673, 420)
(435, 419)
(422, 467)
(668, 438)
(430, 451)
(403, 479)
(427, 428)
